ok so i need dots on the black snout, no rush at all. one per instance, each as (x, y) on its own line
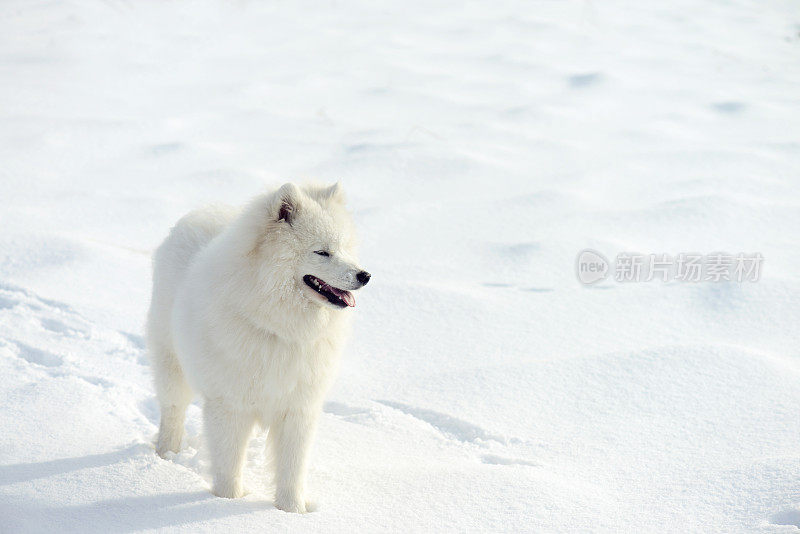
(363, 277)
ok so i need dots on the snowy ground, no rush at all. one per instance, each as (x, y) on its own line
(482, 147)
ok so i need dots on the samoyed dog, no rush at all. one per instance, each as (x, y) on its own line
(250, 309)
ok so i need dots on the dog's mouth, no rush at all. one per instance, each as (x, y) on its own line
(337, 297)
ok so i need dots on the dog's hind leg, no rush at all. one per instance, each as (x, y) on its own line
(174, 396)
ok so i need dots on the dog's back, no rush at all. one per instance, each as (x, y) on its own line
(172, 259)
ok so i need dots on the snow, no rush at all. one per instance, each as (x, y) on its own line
(482, 146)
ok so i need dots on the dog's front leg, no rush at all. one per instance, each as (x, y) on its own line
(292, 441)
(227, 431)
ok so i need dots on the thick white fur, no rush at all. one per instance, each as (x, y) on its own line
(232, 320)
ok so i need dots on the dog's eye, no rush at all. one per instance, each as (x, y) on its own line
(322, 252)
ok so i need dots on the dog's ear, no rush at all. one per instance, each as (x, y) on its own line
(288, 198)
(334, 193)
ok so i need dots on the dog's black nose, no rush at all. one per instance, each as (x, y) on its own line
(363, 277)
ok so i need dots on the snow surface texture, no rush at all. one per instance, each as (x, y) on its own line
(482, 147)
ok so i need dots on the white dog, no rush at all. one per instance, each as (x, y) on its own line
(249, 309)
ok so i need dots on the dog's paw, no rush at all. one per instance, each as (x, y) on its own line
(165, 451)
(291, 505)
(167, 444)
(228, 488)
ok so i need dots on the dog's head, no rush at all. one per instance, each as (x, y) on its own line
(316, 240)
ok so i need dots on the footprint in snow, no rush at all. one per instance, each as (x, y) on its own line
(578, 81)
(495, 459)
(68, 328)
(11, 296)
(7, 303)
(787, 517)
(135, 340)
(728, 108)
(519, 251)
(348, 413)
(450, 426)
(59, 327)
(37, 356)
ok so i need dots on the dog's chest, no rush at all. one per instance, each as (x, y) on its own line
(279, 370)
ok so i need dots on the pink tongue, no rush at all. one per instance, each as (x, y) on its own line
(346, 296)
